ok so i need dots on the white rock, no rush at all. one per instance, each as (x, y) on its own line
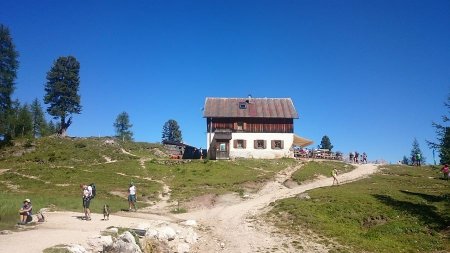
(113, 230)
(191, 223)
(183, 248)
(73, 248)
(151, 233)
(166, 233)
(191, 236)
(126, 243)
(100, 243)
(144, 226)
(107, 241)
(127, 237)
(124, 247)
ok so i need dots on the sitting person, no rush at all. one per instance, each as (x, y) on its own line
(25, 212)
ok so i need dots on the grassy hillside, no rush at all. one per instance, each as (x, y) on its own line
(402, 209)
(50, 170)
(315, 169)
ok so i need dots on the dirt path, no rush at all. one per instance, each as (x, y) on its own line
(233, 228)
(229, 226)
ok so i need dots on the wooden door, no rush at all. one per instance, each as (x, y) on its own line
(223, 150)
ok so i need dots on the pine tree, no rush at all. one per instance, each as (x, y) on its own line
(8, 73)
(443, 136)
(123, 127)
(22, 120)
(51, 128)
(171, 131)
(444, 153)
(405, 160)
(61, 89)
(416, 150)
(39, 123)
(326, 143)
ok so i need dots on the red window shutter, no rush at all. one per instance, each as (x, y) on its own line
(272, 144)
(265, 144)
(234, 143)
(282, 144)
(255, 144)
(245, 144)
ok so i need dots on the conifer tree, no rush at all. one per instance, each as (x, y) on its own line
(123, 127)
(416, 150)
(39, 123)
(61, 89)
(443, 136)
(171, 131)
(8, 73)
(326, 143)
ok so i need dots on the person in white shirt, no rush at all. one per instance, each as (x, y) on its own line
(87, 194)
(132, 196)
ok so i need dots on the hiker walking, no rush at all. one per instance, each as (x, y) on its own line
(351, 157)
(446, 172)
(334, 173)
(364, 157)
(87, 196)
(132, 197)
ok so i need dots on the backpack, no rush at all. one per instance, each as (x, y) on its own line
(94, 190)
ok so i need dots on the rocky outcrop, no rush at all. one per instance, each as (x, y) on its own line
(126, 243)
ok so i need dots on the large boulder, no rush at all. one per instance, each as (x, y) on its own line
(191, 236)
(126, 243)
(166, 233)
(190, 223)
(101, 243)
(74, 248)
(183, 248)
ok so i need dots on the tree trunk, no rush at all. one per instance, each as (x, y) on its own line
(64, 126)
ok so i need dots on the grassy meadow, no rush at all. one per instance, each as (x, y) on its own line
(401, 209)
(314, 169)
(49, 171)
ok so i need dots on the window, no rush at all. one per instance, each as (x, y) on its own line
(222, 147)
(242, 105)
(277, 144)
(240, 144)
(260, 144)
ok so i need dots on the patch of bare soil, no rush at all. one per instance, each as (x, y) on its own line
(201, 202)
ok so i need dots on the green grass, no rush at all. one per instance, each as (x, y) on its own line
(49, 171)
(403, 209)
(314, 169)
(198, 177)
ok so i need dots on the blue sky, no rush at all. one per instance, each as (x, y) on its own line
(372, 75)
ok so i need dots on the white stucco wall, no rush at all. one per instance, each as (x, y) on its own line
(251, 152)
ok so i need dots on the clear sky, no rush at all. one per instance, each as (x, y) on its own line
(372, 75)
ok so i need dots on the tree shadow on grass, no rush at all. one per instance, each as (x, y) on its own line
(426, 213)
(428, 197)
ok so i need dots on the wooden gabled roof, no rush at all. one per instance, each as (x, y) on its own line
(254, 108)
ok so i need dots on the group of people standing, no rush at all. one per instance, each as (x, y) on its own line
(416, 159)
(357, 157)
(88, 195)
